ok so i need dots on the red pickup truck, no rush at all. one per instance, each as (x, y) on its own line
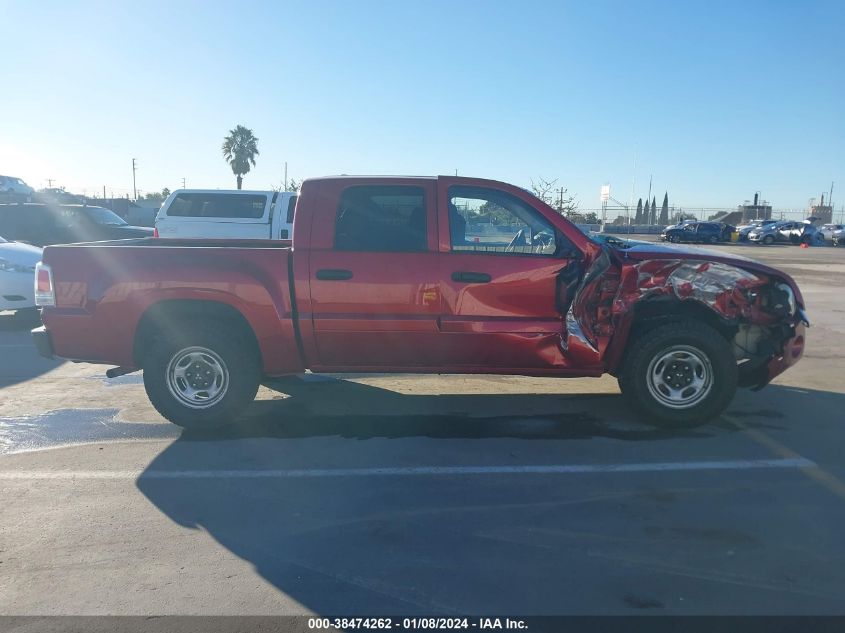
(427, 275)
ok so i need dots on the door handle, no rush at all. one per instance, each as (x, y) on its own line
(470, 277)
(334, 274)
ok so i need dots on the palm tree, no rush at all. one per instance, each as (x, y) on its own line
(240, 148)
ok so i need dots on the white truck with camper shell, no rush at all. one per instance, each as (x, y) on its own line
(222, 214)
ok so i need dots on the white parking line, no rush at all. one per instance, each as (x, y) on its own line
(408, 471)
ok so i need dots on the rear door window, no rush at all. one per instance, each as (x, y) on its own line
(381, 218)
(218, 205)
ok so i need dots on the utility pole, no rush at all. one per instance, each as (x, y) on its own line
(134, 189)
(104, 192)
(183, 183)
(633, 182)
(286, 175)
(50, 183)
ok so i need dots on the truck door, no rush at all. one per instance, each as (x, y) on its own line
(506, 275)
(373, 275)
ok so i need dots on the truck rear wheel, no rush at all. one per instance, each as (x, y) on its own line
(679, 375)
(201, 379)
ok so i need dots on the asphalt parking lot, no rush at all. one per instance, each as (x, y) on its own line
(427, 494)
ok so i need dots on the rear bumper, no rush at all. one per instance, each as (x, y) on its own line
(43, 342)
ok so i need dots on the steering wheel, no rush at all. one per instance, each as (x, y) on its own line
(519, 237)
(542, 240)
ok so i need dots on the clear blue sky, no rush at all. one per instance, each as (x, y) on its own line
(716, 99)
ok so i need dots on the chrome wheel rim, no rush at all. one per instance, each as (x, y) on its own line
(680, 377)
(197, 377)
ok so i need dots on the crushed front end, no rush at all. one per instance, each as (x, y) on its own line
(759, 309)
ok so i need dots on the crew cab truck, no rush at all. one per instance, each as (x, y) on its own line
(424, 275)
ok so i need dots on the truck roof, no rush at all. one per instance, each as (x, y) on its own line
(372, 176)
(236, 191)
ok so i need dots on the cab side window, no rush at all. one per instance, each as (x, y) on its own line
(381, 218)
(491, 221)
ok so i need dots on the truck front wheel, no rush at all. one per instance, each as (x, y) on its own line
(679, 375)
(202, 379)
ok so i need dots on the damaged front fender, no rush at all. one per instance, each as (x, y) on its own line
(751, 308)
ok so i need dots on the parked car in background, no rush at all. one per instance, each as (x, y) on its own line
(770, 233)
(391, 275)
(727, 231)
(17, 275)
(695, 232)
(11, 184)
(787, 230)
(43, 224)
(806, 232)
(745, 229)
(827, 230)
(213, 213)
(55, 195)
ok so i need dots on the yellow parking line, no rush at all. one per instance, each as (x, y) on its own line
(815, 472)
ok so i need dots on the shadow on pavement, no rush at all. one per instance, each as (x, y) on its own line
(20, 321)
(19, 360)
(328, 407)
(495, 543)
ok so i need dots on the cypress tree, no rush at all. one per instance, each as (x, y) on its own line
(638, 219)
(646, 213)
(653, 211)
(664, 210)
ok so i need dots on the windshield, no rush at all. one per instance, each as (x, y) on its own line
(99, 215)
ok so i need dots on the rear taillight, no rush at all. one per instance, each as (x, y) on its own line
(155, 232)
(45, 295)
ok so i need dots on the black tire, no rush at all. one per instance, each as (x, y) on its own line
(674, 239)
(696, 340)
(235, 355)
(768, 240)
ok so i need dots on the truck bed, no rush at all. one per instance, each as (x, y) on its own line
(104, 290)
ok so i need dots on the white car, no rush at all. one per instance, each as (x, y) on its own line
(828, 230)
(10, 184)
(17, 275)
(226, 214)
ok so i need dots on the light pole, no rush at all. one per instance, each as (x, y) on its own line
(134, 189)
